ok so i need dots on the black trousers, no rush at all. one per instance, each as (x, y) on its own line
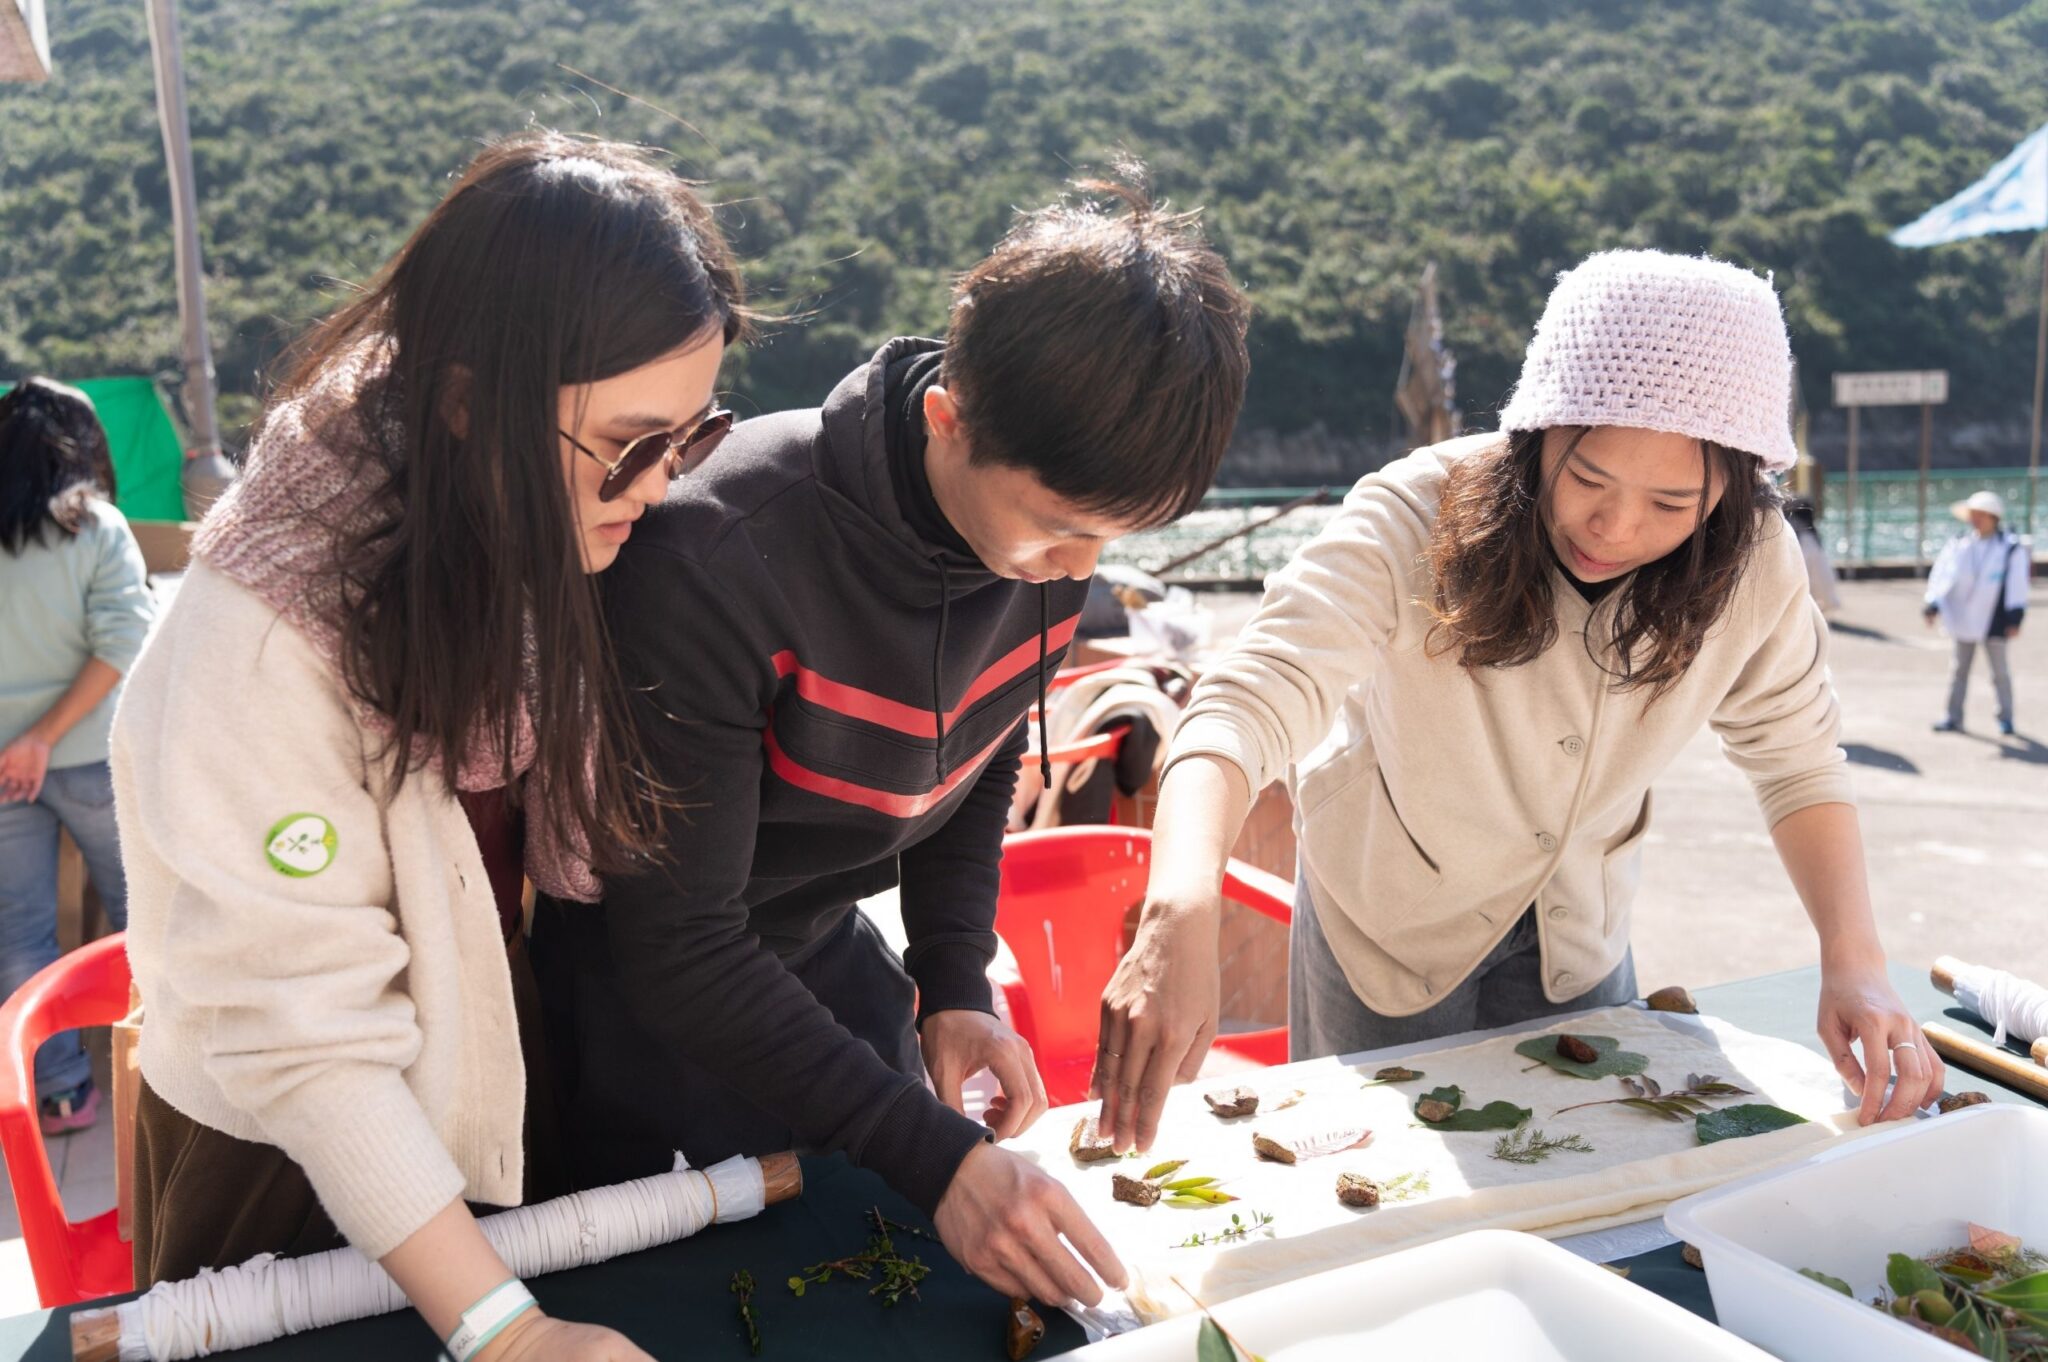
(626, 1102)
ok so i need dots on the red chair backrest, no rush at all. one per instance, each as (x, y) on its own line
(1065, 893)
(88, 987)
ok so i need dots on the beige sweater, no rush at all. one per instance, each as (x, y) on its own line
(358, 1018)
(1434, 805)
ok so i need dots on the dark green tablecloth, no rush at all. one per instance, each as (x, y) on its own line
(674, 1303)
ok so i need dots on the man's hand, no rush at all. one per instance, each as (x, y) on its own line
(959, 1044)
(1002, 1220)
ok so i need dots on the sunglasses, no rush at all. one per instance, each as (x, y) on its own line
(683, 450)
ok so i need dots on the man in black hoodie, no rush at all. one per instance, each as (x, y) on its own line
(832, 635)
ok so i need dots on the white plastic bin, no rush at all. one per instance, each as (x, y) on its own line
(1843, 1211)
(1487, 1294)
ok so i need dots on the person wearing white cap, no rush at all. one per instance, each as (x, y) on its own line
(1978, 590)
(1471, 680)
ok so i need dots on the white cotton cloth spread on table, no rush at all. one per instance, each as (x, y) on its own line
(269, 1297)
(1640, 1161)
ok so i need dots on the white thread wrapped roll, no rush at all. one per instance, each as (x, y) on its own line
(269, 1297)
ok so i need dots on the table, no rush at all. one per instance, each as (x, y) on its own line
(673, 1301)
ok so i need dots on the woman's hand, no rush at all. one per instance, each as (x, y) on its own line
(1859, 1004)
(1158, 1017)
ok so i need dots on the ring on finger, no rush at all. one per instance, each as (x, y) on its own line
(1905, 1045)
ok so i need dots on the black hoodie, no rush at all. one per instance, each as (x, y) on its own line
(839, 702)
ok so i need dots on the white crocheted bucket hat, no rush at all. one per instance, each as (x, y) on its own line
(1676, 343)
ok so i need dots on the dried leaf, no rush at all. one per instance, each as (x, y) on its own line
(1988, 1242)
(1289, 1148)
(1289, 1100)
(1608, 1059)
(1749, 1118)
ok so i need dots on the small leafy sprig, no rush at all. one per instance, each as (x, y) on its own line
(884, 1225)
(742, 1288)
(1524, 1145)
(1404, 1186)
(1679, 1104)
(1240, 1230)
(893, 1276)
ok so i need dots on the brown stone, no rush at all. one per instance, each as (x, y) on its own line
(1434, 1109)
(1229, 1102)
(1271, 1149)
(1137, 1191)
(1355, 1189)
(1672, 999)
(1396, 1074)
(1026, 1329)
(1576, 1050)
(1692, 1257)
(1956, 1101)
(1088, 1144)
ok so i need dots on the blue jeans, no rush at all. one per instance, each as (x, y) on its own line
(1325, 1017)
(79, 799)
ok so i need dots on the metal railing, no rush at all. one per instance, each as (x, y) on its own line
(1884, 526)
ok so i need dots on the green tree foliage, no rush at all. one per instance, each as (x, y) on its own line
(866, 152)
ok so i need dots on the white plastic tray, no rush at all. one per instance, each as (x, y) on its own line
(1910, 1189)
(1487, 1294)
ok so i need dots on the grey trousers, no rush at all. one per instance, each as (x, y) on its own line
(1959, 678)
(1325, 1017)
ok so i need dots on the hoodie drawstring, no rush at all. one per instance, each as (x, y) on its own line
(1044, 746)
(938, 656)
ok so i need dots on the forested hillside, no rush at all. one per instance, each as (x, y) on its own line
(867, 149)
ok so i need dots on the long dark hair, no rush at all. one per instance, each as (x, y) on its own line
(1492, 559)
(554, 260)
(53, 459)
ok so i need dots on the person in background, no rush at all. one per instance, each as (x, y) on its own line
(74, 610)
(1978, 592)
(1820, 568)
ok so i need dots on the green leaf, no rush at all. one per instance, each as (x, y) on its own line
(1906, 1274)
(1492, 1116)
(1160, 1170)
(1211, 1345)
(1833, 1283)
(1747, 1118)
(796, 1285)
(1200, 1196)
(1613, 1061)
(1190, 1184)
(2029, 1294)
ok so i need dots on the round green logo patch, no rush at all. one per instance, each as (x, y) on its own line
(300, 844)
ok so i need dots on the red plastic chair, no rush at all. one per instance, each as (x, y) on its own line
(1065, 892)
(71, 1262)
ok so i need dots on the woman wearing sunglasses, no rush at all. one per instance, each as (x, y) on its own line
(383, 693)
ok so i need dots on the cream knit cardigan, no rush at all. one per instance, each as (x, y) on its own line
(359, 1019)
(1434, 805)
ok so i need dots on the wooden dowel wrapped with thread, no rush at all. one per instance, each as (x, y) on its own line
(268, 1298)
(2013, 1006)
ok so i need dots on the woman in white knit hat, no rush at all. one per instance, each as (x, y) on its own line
(1471, 680)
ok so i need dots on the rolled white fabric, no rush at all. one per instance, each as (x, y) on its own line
(269, 1297)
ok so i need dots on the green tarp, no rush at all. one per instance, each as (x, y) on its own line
(148, 456)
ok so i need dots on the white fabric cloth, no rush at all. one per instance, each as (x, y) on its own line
(1662, 342)
(1974, 575)
(1640, 1161)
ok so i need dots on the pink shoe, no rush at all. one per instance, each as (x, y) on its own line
(69, 1111)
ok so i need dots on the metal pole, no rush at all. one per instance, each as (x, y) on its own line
(1926, 460)
(2040, 369)
(1849, 511)
(206, 473)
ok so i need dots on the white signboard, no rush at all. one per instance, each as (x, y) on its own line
(1905, 388)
